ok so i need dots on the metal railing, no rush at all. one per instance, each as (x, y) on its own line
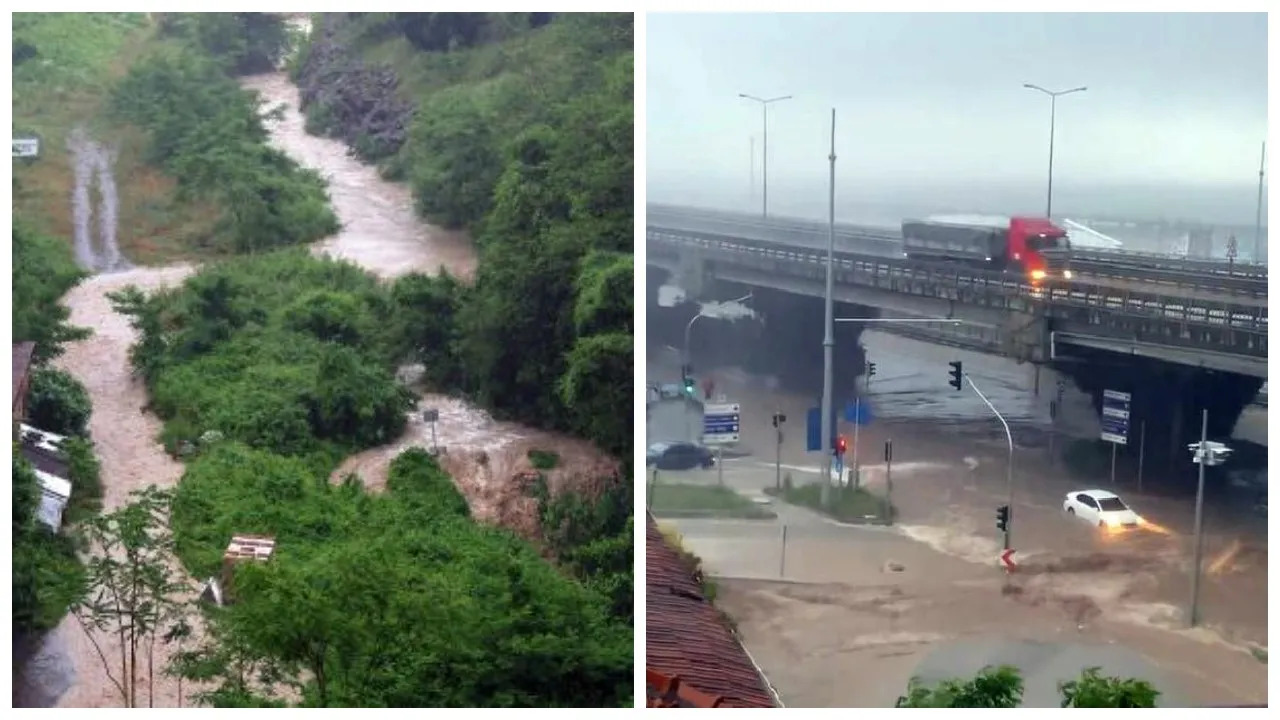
(1210, 275)
(976, 282)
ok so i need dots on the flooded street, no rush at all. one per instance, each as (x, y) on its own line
(1075, 584)
(379, 232)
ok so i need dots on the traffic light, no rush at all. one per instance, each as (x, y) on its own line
(957, 375)
(1002, 518)
(841, 445)
(779, 419)
(871, 369)
(688, 386)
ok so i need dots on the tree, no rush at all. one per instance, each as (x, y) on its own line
(993, 687)
(43, 271)
(1001, 687)
(132, 592)
(57, 402)
(46, 575)
(1092, 690)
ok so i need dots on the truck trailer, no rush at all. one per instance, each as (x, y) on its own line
(1034, 247)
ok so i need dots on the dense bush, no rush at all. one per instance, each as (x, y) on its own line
(1002, 687)
(396, 600)
(58, 403)
(207, 132)
(47, 576)
(43, 272)
(527, 140)
(242, 42)
(264, 350)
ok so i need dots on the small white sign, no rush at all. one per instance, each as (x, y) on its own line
(26, 147)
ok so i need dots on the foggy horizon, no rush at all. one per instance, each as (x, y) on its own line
(1170, 131)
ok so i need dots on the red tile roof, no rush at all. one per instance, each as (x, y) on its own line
(693, 659)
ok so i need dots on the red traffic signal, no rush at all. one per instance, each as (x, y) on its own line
(842, 445)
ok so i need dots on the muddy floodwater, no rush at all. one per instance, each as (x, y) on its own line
(379, 232)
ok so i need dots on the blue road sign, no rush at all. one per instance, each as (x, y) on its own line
(858, 412)
(721, 424)
(813, 428)
(1115, 416)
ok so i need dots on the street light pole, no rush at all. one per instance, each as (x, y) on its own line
(688, 352)
(1053, 112)
(1198, 545)
(828, 324)
(1008, 531)
(1257, 227)
(764, 107)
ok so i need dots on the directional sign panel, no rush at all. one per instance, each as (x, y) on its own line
(1115, 417)
(721, 424)
(26, 147)
(813, 429)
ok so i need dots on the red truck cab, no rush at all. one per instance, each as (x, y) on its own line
(1040, 248)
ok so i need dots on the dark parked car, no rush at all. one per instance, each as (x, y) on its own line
(678, 456)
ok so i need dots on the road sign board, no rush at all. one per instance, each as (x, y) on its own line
(1006, 557)
(813, 429)
(858, 412)
(1115, 416)
(26, 147)
(721, 423)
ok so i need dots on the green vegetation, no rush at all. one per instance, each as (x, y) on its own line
(279, 351)
(207, 132)
(1001, 687)
(47, 577)
(270, 369)
(703, 500)
(381, 608)
(43, 271)
(194, 176)
(133, 593)
(65, 67)
(847, 504)
(524, 135)
(57, 402)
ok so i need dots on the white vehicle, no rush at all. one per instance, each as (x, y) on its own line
(1100, 507)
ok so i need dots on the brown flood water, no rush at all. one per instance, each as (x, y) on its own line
(379, 232)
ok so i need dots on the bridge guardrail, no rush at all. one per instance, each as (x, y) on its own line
(1209, 275)
(1141, 304)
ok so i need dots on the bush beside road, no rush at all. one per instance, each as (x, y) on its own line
(847, 504)
(692, 500)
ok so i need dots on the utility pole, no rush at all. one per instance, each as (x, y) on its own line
(753, 168)
(828, 325)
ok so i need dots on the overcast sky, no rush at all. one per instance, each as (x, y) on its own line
(931, 112)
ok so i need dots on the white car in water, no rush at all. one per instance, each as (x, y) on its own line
(1102, 508)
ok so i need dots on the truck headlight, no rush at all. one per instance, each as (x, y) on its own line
(1037, 274)
(1066, 274)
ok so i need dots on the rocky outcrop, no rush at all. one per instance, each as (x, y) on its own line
(349, 99)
